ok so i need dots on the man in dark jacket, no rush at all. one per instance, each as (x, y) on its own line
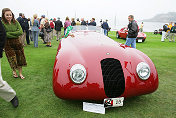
(58, 26)
(132, 32)
(83, 22)
(21, 21)
(92, 23)
(6, 92)
(26, 28)
(105, 27)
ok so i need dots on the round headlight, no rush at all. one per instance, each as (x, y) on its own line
(78, 73)
(143, 70)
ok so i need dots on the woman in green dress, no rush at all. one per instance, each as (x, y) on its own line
(13, 48)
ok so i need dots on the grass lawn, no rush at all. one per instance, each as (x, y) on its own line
(37, 99)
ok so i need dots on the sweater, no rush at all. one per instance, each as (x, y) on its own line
(35, 25)
(67, 23)
(13, 30)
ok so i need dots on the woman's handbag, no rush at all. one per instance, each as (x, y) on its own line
(41, 34)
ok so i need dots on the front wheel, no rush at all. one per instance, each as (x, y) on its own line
(117, 35)
(143, 40)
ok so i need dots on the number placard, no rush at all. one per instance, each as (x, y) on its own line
(113, 102)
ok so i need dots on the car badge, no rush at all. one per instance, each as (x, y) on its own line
(107, 53)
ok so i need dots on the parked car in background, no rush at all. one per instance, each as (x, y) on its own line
(158, 31)
(122, 34)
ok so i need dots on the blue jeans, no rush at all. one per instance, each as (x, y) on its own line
(35, 38)
(105, 32)
(131, 41)
(65, 31)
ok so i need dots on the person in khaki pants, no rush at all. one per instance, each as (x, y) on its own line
(6, 92)
(172, 33)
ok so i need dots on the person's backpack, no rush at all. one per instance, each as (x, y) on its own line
(52, 25)
(41, 34)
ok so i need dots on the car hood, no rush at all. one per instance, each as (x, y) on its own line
(88, 40)
(140, 34)
(97, 46)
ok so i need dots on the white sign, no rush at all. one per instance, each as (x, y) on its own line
(92, 107)
(140, 40)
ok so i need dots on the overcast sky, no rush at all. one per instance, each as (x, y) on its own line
(105, 9)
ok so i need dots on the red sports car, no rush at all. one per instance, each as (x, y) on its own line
(122, 34)
(91, 66)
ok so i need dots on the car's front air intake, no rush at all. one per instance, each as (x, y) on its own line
(113, 77)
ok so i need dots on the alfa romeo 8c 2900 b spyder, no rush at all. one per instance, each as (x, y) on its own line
(92, 66)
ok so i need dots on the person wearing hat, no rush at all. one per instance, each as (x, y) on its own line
(58, 26)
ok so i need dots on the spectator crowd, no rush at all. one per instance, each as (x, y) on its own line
(36, 27)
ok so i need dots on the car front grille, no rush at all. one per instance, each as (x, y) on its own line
(113, 77)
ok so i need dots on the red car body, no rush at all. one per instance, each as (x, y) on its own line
(122, 34)
(92, 49)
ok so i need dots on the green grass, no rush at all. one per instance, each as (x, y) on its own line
(37, 99)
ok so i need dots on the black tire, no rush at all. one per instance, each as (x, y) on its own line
(143, 40)
(117, 35)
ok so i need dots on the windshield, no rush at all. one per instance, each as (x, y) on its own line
(87, 28)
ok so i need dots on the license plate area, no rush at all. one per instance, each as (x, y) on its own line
(113, 102)
(140, 40)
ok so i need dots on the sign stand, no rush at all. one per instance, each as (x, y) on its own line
(100, 108)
